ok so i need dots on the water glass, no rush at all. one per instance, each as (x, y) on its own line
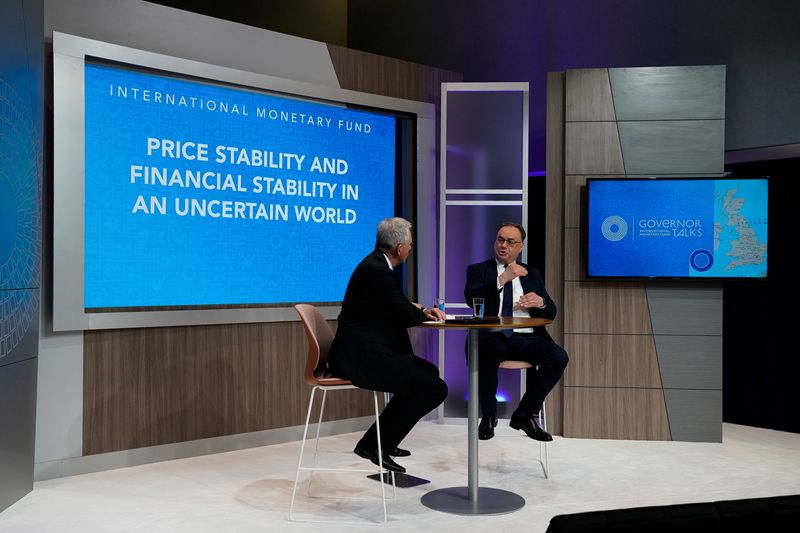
(477, 307)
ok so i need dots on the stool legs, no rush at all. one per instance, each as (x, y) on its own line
(314, 467)
(543, 445)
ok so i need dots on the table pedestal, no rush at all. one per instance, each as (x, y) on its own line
(456, 500)
(473, 499)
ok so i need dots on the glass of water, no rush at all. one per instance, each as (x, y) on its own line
(477, 307)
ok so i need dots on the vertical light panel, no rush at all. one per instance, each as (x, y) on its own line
(484, 166)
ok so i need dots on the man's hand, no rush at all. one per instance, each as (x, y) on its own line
(434, 313)
(512, 272)
(531, 299)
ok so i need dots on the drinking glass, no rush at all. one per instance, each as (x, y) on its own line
(477, 307)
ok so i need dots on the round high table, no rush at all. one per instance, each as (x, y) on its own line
(474, 499)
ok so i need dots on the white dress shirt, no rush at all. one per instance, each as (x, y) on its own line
(516, 286)
(388, 262)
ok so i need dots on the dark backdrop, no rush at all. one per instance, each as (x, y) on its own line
(761, 358)
(522, 41)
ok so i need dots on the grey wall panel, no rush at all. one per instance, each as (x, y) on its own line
(59, 408)
(669, 93)
(694, 415)
(690, 362)
(173, 32)
(19, 325)
(681, 310)
(673, 147)
(17, 425)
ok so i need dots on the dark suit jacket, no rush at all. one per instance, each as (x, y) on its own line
(482, 283)
(375, 317)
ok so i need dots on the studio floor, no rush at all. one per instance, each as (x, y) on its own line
(250, 490)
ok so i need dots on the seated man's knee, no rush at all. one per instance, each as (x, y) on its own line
(562, 357)
(441, 390)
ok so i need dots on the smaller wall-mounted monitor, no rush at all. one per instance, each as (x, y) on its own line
(677, 228)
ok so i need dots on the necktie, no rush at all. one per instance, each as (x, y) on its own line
(508, 304)
(508, 299)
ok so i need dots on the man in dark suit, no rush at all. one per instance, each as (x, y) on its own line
(372, 348)
(514, 289)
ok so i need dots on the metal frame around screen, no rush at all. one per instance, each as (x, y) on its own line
(69, 53)
(693, 279)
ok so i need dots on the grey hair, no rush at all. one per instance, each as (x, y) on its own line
(391, 232)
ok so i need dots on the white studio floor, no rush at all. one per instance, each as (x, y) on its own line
(250, 490)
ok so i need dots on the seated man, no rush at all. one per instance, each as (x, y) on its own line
(514, 289)
(372, 348)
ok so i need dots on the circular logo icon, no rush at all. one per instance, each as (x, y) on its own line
(701, 260)
(614, 228)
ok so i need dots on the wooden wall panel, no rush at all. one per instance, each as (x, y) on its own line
(615, 413)
(573, 200)
(592, 148)
(554, 227)
(574, 267)
(606, 307)
(372, 73)
(161, 385)
(589, 96)
(611, 361)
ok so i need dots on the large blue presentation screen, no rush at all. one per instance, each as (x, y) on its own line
(201, 194)
(682, 228)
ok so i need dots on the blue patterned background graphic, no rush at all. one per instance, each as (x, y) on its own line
(137, 258)
(20, 219)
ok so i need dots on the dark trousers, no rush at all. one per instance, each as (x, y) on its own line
(537, 350)
(414, 382)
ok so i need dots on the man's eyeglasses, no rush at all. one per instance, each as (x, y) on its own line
(510, 242)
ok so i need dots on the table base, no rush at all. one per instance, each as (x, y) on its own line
(455, 500)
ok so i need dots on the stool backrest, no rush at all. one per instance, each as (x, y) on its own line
(320, 336)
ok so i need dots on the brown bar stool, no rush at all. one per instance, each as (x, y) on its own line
(317, 375)
(542, 416)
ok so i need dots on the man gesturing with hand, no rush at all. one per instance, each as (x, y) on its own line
(510, 288)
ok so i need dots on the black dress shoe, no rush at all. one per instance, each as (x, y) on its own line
(399, 452)
(370, 452)
(531, 428)
(486, 427)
